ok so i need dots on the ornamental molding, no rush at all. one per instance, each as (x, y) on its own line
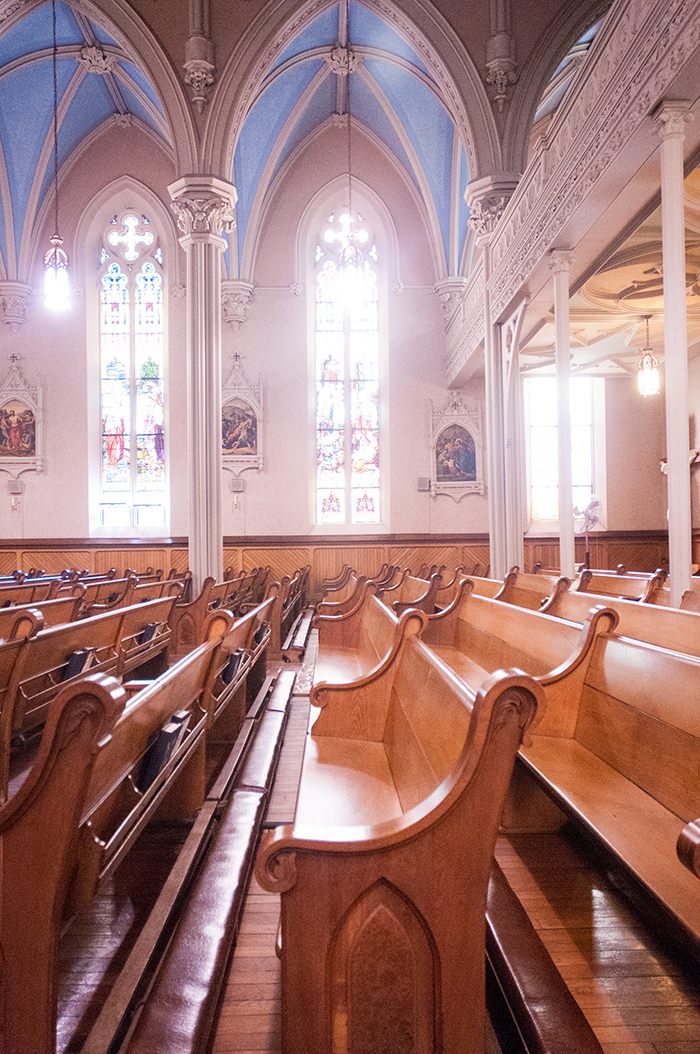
(203, 205)
(10, 8)
(235, 298)
(95, 60)
(14, 300)
(630, 66)
(487, 200)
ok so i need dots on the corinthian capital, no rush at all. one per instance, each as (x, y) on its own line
(487, 199)
(671, 116)
(203, 205)
(14, 298)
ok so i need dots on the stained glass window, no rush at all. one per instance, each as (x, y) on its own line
(132, 389)
(347, 374)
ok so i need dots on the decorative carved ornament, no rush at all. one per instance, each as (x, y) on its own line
(21, 424)
(199, 78)
(14, 298)
(203, 205)
(95, 60)
(241, 422)
(457, 450)
(235, 298)
(342, 61)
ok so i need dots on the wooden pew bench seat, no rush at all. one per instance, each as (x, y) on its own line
(386, 865)
(624, 762)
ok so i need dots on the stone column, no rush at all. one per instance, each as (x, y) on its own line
(671, 117)
(204, 206)
(560, 262)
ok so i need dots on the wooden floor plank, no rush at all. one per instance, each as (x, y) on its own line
(639, 997)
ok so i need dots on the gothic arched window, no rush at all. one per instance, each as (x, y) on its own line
(132, 396)
(347, 373)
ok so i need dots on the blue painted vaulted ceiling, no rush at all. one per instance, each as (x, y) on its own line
(85, 102)
(394, 98)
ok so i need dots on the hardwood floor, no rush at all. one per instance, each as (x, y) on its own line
(640, 996)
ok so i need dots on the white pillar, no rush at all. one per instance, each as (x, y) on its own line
(670, 117)
(560, 262)
(204, 207)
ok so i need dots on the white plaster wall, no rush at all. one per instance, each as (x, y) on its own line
(274, 342)
(635, 444)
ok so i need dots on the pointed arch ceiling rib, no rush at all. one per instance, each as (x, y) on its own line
(98, 81)
(394, 99)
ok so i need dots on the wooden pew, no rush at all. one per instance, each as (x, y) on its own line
(119, 642)
(411, 592)
(664, 627)
(189, 617)
(385, 870)
(54, 857)
(28, 592)
(290, 601)
(330, 585)
(20, 622)
(353, 646)
(641, 586)
(478, 635)
(54, 612)
(529, 591)
(622, 756)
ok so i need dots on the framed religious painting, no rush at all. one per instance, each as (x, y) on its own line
(241, 422)
(20, 424)
(456, 447)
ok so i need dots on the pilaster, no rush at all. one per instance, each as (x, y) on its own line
(204, 207)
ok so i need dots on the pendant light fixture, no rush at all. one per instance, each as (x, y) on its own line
(56, 284)
(648, 369)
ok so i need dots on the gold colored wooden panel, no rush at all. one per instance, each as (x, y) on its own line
(53, 561)
(476, 554)
(9, 561)
(132, 559)
(414, 556)
(232, 560)
(327, 561)
(282, 561)
(179, 560)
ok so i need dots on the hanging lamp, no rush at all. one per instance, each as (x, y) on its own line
(56, 284)
(648, 369)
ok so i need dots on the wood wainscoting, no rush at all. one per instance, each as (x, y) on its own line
(635, 550)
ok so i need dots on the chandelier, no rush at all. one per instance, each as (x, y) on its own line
(648, 369)
(56, 284)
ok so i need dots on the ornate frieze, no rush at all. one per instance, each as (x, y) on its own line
(9, 8)
(615, 91)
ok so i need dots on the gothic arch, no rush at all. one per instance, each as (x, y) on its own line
(565, 28)
(427, 32)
